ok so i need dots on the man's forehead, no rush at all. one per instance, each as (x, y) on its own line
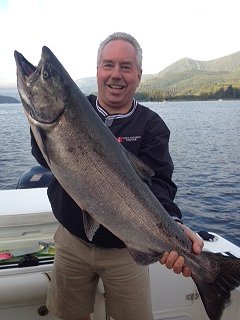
(119, 50)
(111, 60)
(120, 46)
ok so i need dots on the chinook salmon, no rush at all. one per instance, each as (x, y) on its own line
(108, 183)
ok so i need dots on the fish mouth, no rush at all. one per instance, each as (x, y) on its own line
(25, 68)
(27, 76)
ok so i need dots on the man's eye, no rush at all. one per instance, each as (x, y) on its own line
(126, 67)
(107, 65)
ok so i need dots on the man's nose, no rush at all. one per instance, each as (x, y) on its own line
(116, 72)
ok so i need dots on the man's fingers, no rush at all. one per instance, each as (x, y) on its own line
(197, 246)
(173, 261)
(186, 271)
(178, 265)
(164, 257)
(173, 256)
(195, 239)
(176, 262)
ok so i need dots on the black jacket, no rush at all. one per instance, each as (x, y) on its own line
(143, 133)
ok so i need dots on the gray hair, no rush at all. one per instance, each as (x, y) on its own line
(122, 36)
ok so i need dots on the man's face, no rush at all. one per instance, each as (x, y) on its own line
(118, 76)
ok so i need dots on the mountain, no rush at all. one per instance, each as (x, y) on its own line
(10, 92)
(228, 63)
(192, 78)
(184, 79)
(7, 99)
(87, 85)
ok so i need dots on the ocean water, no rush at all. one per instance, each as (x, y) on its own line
(205, 147)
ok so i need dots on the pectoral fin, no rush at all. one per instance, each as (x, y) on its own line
(90, 225)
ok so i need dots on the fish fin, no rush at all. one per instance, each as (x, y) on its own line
(90, 225)
(143, 170)
(144, 258)
(41, 137)
(216, 294)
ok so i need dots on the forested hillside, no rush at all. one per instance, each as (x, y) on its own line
(192, 79)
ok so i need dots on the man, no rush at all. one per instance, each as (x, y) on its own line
(80, 263)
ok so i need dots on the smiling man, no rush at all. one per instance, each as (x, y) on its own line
(80, 262)
(118, 76)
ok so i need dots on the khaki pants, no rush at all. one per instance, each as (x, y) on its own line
(76, 272)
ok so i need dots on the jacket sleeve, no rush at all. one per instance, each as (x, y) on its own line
(36, 152)
(155, 153)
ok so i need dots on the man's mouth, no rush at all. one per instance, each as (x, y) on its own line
(116, 86)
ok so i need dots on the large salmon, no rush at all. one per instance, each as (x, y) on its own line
(108, 183)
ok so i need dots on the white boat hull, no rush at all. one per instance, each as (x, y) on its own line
(23, 290)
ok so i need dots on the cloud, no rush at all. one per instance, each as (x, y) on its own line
(72, 29)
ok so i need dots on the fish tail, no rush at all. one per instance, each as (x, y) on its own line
(215, 292)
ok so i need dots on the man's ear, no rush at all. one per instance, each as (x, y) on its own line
(139, 76)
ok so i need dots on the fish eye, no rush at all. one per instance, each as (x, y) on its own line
(46, 75)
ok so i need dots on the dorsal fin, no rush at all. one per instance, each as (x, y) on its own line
(143, 170)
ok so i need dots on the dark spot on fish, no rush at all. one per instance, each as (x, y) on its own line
(70, 149)
(159, 225)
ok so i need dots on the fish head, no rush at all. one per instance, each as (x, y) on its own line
(44, 90)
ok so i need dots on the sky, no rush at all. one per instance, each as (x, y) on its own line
(167, 30)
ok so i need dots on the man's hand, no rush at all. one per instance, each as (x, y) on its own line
(173, 261)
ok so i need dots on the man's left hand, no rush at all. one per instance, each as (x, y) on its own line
(176, 262)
